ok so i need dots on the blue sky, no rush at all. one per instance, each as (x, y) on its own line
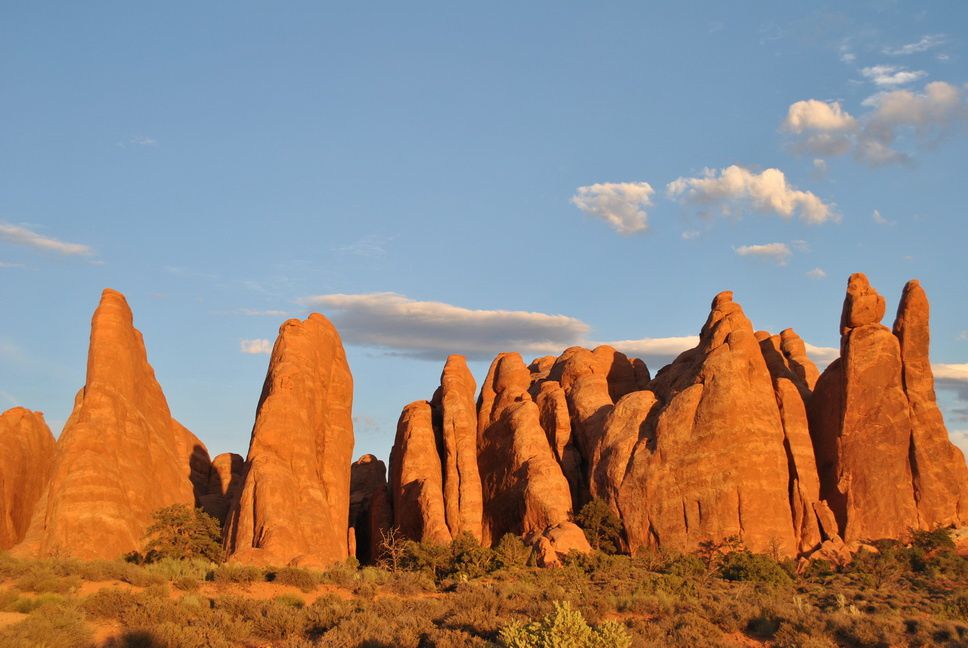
(468, 178)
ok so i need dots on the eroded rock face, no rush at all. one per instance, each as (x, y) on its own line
(886, 463)
(416, 481)
(455, 415)
(294, 505)
(938, 466)
(370, 509)
(437, 496)
(121, 456)
(703, 457)
(26, 457)
(525, 490)
(224, 485)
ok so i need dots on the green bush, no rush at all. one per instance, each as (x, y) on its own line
(511, 552)
(601, 525)
(49, 626)
(564, 627)
(304, 579)
(754, 568)
(183, 533)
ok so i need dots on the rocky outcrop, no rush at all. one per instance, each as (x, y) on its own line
(455, 416)
(886, 464)
(525, 490)
(26, 456)
(791, 387)
(294, 504)
(223, 486)
(702, 456)
(370, 508)
(434, 474)
(416, 481)
(937, 465)
(121, 456)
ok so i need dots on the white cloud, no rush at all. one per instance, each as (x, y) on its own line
(657, 352)
(620, 204)
(954, 378)
(779, 253)
(138, 140)
(817, 115)
(816, 273)
(689, 235)
(821, 356)
(879, 219)
(821, 128)
(929, 115)
(23, 236)
(9, 264)
(255, 347)
(890, 75)
(256, 312)
(432, 330)
(927, 42)
(738, 187)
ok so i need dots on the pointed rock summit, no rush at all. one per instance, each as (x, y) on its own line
(702, 454)
(886, 464)
(121, 456)
(26, 456)
(434, 474)
(294, 504)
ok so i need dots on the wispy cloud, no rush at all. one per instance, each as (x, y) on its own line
(370, 246)
(255, 347)
(891, 75)
(622, 205)
(816, 273)
(879, 219)
(778, 253)
(9, 264)
(925, 43)
(24, 236)
(657, 352)
(138, 140)
(736, 188)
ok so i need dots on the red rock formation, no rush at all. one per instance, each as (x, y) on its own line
(370, 509)
(120, 457)
(294, 505)
(416, 481)
(223, 486)
(795, 353)
(26, 456)
(706, 461)
(525, 491)
(455, 416)
(938, 466)
(790, 386)
(861, 424)
(434, 458)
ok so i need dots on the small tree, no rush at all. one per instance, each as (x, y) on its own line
(183, 533)
(601, 526)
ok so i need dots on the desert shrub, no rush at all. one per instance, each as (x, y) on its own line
(469, 558)
(183, 533)
(44, 579)
(754, 568)
(790, 636)
(109, 603)
(956, 606)
(601, 525)
(511, 552)
(324, 614)
(435, 559)
(49, 626)
(342, 574)
(291, 600)
(394, 622)
(172, 569)
(935, 540)
(863, 631)
(685, 566)
(564, 626)
(691, 629)
(304, 579)
(232, 573)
